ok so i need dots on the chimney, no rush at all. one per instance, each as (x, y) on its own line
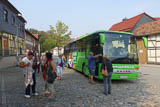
(124, 19)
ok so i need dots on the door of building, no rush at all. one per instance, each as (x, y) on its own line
(0, 46)
(154, 49)
(5, 46)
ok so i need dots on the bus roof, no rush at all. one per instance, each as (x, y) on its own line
(103, 31)
(99, 31)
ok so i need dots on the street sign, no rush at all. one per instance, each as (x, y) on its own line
(21, 44)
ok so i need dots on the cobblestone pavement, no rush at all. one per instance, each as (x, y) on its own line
(75, 91)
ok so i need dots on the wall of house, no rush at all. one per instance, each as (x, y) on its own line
(31, 42)
(145, 19)
(142, 51)
(154, 49)
(9, 45)
(7, 62)
(8, 27)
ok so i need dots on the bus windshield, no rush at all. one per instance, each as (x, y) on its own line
(121, 48)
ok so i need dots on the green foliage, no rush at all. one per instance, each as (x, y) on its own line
(48, 44)
(55, 37)
(60, 34)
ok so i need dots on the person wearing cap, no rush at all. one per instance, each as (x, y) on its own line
(107, 64)
(92, 66)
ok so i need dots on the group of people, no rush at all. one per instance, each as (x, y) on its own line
(106, 65)
(51, 70)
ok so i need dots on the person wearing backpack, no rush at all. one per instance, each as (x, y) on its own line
(60, 63)
(49, 74)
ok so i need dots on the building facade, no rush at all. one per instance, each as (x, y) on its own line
(12, 37)
(31, 42)
(149, 51)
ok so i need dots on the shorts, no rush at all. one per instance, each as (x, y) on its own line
(59, 71)
(92, 72)
(49, 87)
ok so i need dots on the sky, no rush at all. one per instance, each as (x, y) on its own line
(82, 16)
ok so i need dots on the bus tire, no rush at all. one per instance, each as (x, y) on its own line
(83, 69)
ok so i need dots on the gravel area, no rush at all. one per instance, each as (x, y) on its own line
(75, 91)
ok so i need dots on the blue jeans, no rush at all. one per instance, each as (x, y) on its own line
(107, 83)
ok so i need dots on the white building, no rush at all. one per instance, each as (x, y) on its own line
(55, 51)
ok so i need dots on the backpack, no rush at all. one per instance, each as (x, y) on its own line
(51, 75)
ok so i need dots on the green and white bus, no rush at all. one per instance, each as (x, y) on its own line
(121, 47)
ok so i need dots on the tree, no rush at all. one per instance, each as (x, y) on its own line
(60, 34)
(47, 44)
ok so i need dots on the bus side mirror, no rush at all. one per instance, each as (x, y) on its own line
(145, 42)
(102, 38)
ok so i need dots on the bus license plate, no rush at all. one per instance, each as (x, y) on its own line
(123, 76)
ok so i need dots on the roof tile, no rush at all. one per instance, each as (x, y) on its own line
(128, 24)
(148, 29)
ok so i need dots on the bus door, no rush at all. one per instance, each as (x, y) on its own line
(93, 46)
(88, 46)
(97, 49)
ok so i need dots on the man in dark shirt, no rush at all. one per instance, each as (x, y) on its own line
(92, 66)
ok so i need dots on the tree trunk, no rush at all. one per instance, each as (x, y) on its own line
(58, 50)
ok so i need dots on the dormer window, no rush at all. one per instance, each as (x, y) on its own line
(5, 15)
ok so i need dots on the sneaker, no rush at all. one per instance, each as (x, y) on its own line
(92, 82)
(27, 96)
(35, 94)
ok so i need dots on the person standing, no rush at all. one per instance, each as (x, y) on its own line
(48, 67)
(43, 60)
(70, 60)
(107, 64)
(92, 66)
(27, 65)
(23, 56)
(60, 63)
(34, 67)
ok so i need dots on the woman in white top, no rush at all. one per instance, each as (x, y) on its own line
(27, 65)
(60, 63)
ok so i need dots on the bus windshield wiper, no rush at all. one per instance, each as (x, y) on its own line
(124, 60)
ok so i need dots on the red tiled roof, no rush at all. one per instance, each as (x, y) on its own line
(71, 38)
(148, 29)
(35, 35)
(128, 24)
(157, 18)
